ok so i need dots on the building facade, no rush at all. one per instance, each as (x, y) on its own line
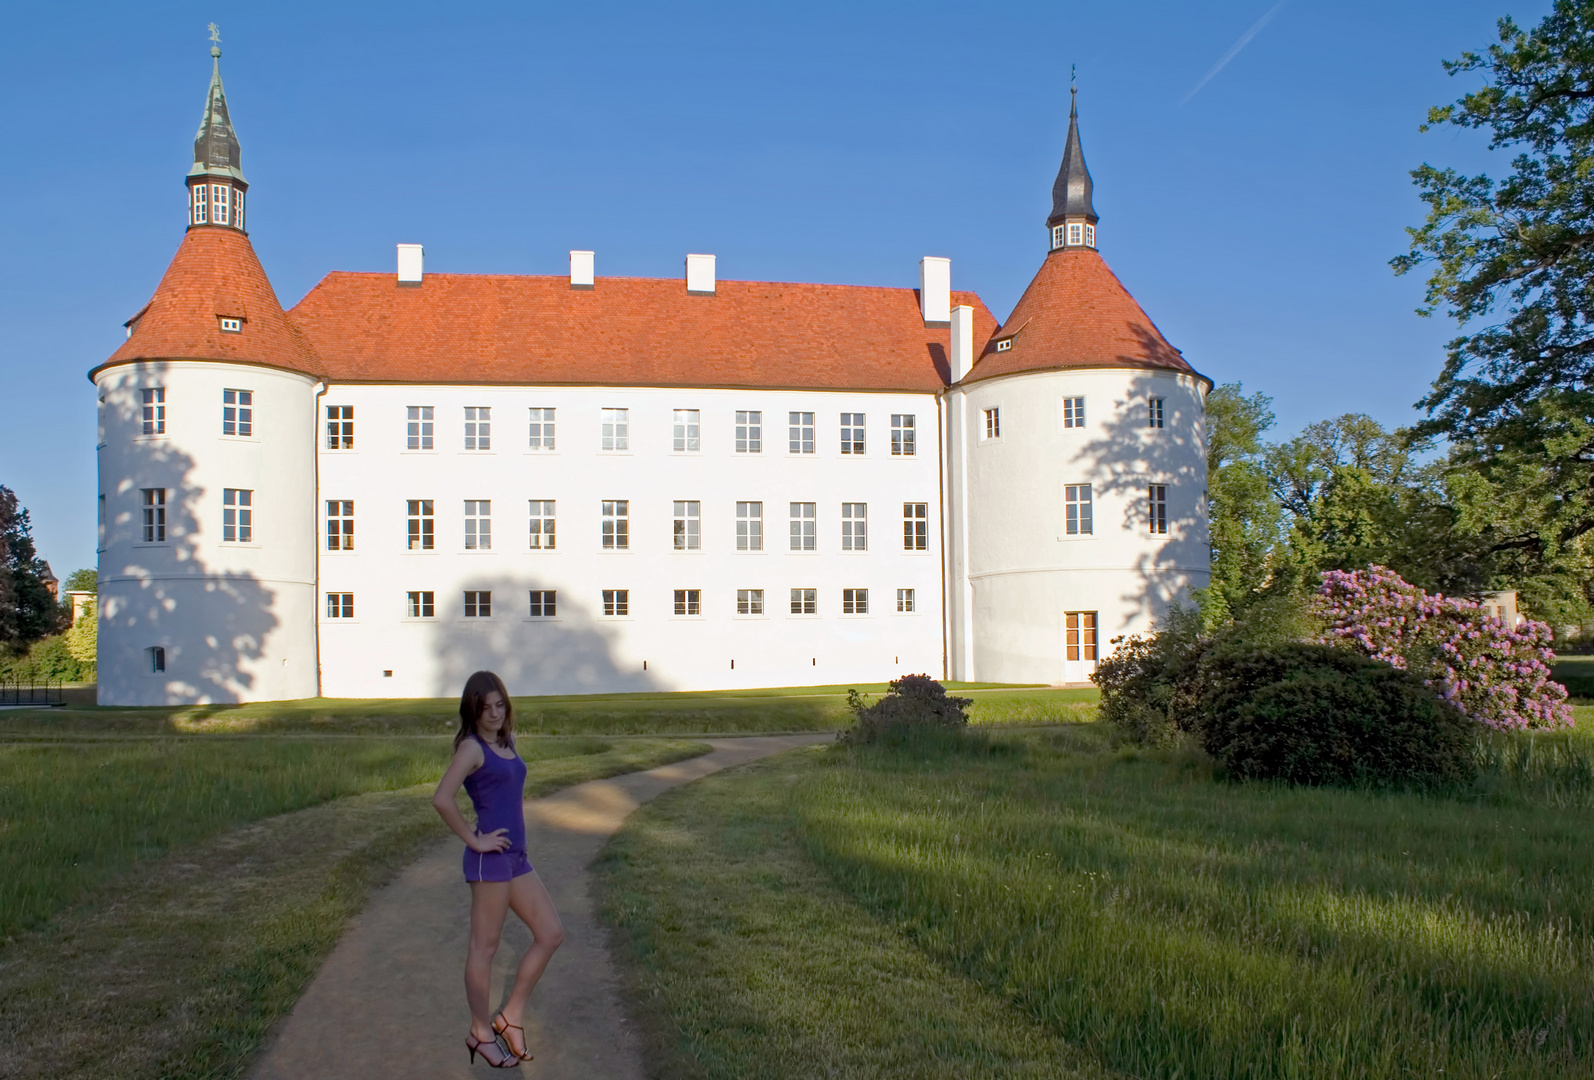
(606, 484)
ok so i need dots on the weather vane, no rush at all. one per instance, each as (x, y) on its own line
(215, 33)
(1073, 69)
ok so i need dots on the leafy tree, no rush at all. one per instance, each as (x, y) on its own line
(27, 610)
(84, 580)
(82, 638)
(1245, 519)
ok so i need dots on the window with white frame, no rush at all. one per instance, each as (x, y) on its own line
(749, 526)
(1076, 509)
(238, 208)
(802, 432)
(418, 435)
(340, 524)
(1080, 631)
(340, 605)
(544, 603)
(420, 521)
(805, 601)
(421, 604)
(1073, 412)
(542, 524)
(1154, 412)
(689, 601)
(687, 424)
(340, 427)
(905, 601)
(616, 524)
(1057, 236)
(855, 601)
(541, 429)
(201, 197)
(231, 325)
(749, 431)
(854, 526)
(993, 423)
(617, 429)
(237, 515)
(749, 601)
(852, 433)
(903, 435)
(1076, 232)
(237, 412)
(478, 427)
(915, 526)
(478, 524)
(1090, 235)
(478, 604)
(153, 400)
(219, 204)
(154, 506)
(1157, 508)
(1004, 345)
(617, 601)
(803, 522)
(684, 528)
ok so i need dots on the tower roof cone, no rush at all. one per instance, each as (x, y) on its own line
(216, 146)
(1071, 192)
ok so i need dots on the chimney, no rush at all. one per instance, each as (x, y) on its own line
(962, 359)
(581, 269)
(700, 275)
(935, 291)
(410, 258)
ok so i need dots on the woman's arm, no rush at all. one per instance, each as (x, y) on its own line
(467, 759)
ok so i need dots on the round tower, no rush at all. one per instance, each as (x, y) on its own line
(1078, 471)
(207, 557)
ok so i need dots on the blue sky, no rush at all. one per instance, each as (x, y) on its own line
(823, 142)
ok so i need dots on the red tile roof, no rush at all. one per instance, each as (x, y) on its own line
(490, 328)
(1076, 313)
(215, 273)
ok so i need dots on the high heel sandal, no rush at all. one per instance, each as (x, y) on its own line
(480, 1046)
(503, 1032)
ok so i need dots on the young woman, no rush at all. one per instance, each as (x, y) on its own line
(496, 866)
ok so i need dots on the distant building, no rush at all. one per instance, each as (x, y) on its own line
(605, 484)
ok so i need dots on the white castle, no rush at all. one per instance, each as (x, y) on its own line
(595, 484)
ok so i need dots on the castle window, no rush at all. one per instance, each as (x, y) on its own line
(855, 601)
(802, 526)
(153, 401)
(616, 601)
(689, 601)
(1157, 509)
(201, 195)
(238, 209)
(905, 601)
(915, 526)
(749, 526)
(1154, 412)
(749, 601)
(157, 659)
(418, 433)
(237, 515)
(852, 433)
(616, 524)
(542, 534)
(340, 605)
(1076, 233)
(219, 203)
(993, 423)
(805, 601)
(544, 603)
(478, 524)
(541, 429)
(478, 605)
(687, 425)
(902, 435)
(420, 521)
(421, 605)
(749, 431)
(154, 507)
(1004, 345)
(231, 325)
(478, 428)
(1073, 412)
(1077, 509)
(1090, 235)
(238, 412)
(1080, 628)
(340, 427)
(685, 528)
(802, 432)
(340, 524)
(616, 429)
(1057, 239)
(854, 526)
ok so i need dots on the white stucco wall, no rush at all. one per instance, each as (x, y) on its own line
(1014, 570)
(236, 620)
(582, 651)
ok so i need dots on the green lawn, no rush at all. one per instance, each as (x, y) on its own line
(1133, 908)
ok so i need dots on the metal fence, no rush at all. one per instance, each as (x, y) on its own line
(31, 692)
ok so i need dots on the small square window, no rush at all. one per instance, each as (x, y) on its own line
(804, 601)
(1004, 345)
(749, 601)
(478, 605)
(689, 601)
(421, 605)
(616, 601)
(231, 325)
(855, 601)
(340, 605)
(544, 603)
(905, 602)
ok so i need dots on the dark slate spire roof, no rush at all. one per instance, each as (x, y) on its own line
(216, 145)
(1071, 192)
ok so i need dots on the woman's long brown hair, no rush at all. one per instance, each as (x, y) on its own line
(477, 687)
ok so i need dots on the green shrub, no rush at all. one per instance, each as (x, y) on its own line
(914, 707)
(1145, 684)
(1316, 714)
(49, 658)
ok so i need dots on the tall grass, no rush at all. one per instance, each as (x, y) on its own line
(1180, 927)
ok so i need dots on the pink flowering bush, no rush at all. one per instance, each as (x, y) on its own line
(1496, 674)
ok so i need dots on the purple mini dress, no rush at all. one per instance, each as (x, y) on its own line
(497, 790)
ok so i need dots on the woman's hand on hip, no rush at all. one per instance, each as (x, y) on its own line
(487, 843)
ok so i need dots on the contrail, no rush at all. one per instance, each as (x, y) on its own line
(1234, 50)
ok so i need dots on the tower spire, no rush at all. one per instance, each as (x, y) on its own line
(216, 182)
(1072, 221)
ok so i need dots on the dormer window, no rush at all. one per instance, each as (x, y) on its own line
(1057, 236)
(230, 325)
(1076, 233)
(201, 194)
(1003, 346)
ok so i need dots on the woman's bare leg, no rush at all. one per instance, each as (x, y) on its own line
(489, 901)
(530, 901)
